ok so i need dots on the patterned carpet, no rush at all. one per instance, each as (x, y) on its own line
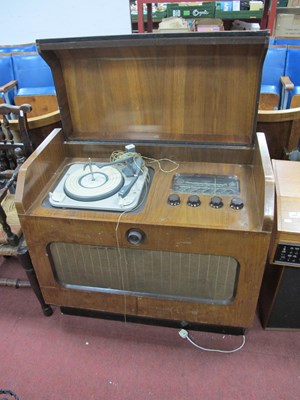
(70, 357)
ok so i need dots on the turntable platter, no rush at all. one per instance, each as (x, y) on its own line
(96, 184)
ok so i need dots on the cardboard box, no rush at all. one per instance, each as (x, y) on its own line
(209, 25)
(256, 5)
(236, 6)
(287, 25)
(244, 6)
(294, 3)
(173, 25)
(224, 5)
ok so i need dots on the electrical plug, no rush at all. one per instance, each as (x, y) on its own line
(183, 333)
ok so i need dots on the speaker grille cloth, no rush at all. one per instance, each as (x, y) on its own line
(164, 274)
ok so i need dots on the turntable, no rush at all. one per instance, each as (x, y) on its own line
(111, 186)
(189, 248)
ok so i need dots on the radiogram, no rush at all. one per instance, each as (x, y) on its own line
(155, 199)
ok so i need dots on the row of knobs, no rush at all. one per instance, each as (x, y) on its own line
(215, 202)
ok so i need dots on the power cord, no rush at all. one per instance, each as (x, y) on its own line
(185, 335)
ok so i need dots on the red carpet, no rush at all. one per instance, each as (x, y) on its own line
(67, 357)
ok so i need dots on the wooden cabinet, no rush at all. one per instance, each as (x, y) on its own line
(279, 298)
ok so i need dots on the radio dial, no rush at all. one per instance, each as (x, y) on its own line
(173, 200)
(216, 202)
(236, 203)
(193, 201)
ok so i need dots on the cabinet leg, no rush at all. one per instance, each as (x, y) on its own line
(25, 260)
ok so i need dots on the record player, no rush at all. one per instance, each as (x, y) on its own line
(154, 202)
(111, 186)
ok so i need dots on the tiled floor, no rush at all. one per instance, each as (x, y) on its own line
(67, 357)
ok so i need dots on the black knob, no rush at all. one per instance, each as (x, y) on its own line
(173, 199)
(135, 236)
(236, 203)
(193, 201)
(216, 202)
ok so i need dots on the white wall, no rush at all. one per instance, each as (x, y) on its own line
(25, 21)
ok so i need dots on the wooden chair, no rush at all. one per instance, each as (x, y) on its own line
(35, 83)
(288, 41)
(14, 149)
(282, 130)
(271, 84)
(8, 83)
(17, 48)
(292, 70)
(39, 127)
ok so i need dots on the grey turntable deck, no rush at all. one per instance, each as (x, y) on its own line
(98, 189)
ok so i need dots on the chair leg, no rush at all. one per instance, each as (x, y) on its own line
(14, 282)
(25, 260)
(12, 239)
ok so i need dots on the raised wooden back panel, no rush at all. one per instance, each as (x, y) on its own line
(200, 88)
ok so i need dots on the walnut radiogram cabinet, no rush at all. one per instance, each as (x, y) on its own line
(155, 200)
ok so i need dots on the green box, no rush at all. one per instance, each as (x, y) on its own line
(238, 14)
(282, 3)
(206, 10)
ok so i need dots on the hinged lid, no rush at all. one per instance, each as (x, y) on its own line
(197, 87)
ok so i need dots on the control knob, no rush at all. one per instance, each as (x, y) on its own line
(135, 236)
(216, 202)
(236, 203)
(173, 199)
(193, 201)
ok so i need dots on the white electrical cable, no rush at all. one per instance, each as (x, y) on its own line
(185, 335)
